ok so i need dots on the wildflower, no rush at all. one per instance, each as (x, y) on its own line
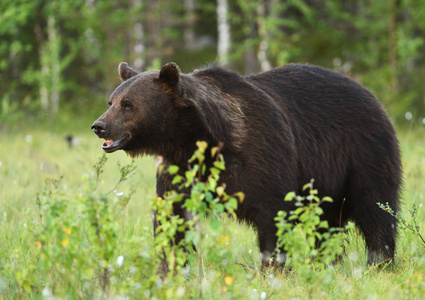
(223, 240)
(180, 292)
(65, 241)
(28, 138)
(66, 230)
(408, 115)
(46, 292)
(120, 260)
(38, 244)
(228, 280)
(263, 295)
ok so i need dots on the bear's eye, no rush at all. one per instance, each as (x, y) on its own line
(126, 105)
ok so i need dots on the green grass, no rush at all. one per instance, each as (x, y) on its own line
(29, 158)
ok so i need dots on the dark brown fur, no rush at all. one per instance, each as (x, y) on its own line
(280, 129)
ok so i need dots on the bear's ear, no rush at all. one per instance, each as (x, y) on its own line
(125, 71)
(170, 74)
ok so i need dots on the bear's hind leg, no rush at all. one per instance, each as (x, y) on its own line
(379, 228)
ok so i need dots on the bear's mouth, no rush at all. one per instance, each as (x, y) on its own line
(113, 145)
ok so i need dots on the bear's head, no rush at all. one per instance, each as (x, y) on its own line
(146, 112)
(158, 112)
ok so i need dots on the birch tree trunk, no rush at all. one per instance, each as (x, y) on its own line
(189, 33)
(153, 32)
(223, 29)
(392, 43)
(138, 38)
(49, 83)
(54, 49)
(262, 32)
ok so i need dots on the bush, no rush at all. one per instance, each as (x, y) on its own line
(310, 245)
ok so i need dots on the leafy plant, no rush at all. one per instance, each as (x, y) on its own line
(310, 244)
(76, 237)
(413, 227)
(206, 197)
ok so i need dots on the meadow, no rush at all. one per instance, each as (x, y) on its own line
(54, 198)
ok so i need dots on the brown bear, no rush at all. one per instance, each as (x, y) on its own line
(279, 129)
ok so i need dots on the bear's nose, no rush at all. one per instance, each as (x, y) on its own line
(99, 128)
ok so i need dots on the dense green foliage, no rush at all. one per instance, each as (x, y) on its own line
(64, 54)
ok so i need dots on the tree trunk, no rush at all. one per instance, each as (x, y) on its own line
(223, 29)
(138, 38)
(49, 53)
(392, 43)
(189, 33)
(54, 49)
(262, 32)
(153, 32)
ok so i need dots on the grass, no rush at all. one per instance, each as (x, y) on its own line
(29, 158)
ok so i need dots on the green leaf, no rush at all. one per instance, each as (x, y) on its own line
(240, 195)
(220, 190)
(173, 169)
(202, 145)
(327, 199)
(298, 211)
(177, 179)
(209, 197)
(189, 176)
(290, 196)
(214, 151)
(215, 224)
(306, 186)
(231, 204)
(220, 165)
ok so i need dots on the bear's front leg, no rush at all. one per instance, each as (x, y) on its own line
(267, 239)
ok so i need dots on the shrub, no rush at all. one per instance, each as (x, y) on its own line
(310, 245)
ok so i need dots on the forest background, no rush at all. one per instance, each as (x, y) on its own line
(59, 58)
(68, 230)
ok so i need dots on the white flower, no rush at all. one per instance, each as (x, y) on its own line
(46, 292)
(263, 295)
(28, 138)
(180, 292)
(408, 115)
(120, 260)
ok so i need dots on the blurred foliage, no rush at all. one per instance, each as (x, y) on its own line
(64, 54)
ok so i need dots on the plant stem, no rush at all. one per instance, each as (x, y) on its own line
(201, 275)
